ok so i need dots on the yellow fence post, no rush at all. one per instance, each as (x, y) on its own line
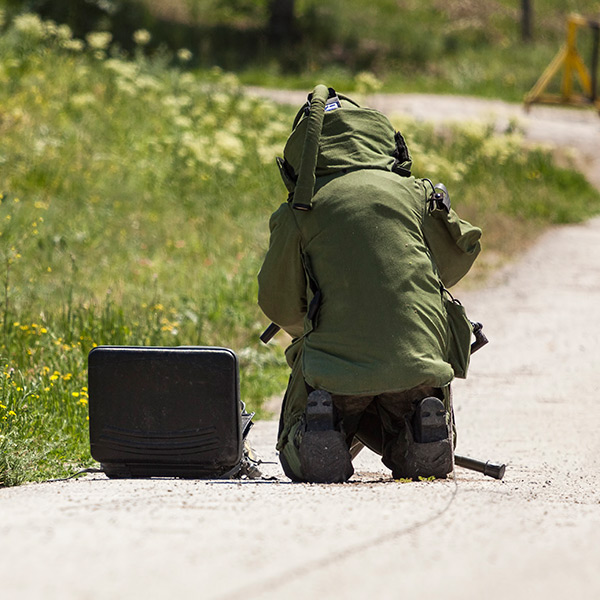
(569, 59)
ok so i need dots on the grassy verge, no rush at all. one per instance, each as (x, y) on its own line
(135, 197)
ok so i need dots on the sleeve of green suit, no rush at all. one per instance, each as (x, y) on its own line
(282, 281)
(454, 244)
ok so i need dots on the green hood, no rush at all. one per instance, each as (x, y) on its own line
(350, 138)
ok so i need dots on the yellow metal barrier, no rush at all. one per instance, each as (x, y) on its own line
(572, 64)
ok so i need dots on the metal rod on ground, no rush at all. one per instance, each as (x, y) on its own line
(487, 468)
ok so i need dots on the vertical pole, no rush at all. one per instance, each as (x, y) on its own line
(596, 34)
(570, 59)
(282, 24)
(526, 20)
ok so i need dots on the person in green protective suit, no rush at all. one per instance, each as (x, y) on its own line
(357, 270)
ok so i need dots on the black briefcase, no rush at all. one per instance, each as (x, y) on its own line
(165, 411)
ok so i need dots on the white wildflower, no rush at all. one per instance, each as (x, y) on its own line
(228, 144)
(82, 100)
(126, 87)
(221, 99)
(29, 24)
(142, 37)
(74, 44)
(183, 122)
(196, 146)
(187, 79)
(500, 148)
(230, 80)
(184, 55)
(276, 130)
(234, 126)
(126, 70)
(99, 40)
(63, 32)
(147, 82)
(209, 120)
(267, 153)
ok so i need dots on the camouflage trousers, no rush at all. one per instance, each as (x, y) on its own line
(375, 421)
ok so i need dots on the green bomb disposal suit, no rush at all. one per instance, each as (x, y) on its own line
(377, 253)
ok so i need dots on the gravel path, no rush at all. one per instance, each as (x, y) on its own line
(531, 401)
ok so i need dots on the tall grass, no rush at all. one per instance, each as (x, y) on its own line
(132, 211)
(134, 201)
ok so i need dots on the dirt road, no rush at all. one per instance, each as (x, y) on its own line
(531, 401)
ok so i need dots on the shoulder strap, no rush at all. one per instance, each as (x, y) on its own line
(306, 173)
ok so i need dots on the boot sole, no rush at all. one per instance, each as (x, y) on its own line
(431, 454)
(325, 457)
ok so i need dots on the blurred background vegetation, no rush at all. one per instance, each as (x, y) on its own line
(448, 46)
(137, 177)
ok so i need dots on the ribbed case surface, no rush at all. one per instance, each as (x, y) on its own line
(164, 411)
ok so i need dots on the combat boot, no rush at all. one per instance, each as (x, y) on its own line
(324, 454)
(424, 448)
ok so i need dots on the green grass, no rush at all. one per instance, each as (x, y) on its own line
(135, 197)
